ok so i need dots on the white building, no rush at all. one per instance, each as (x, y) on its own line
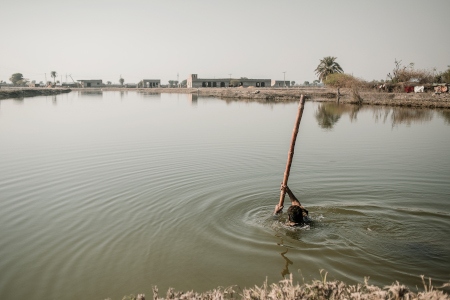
(150, 83)
(91, 83)
(194, 82)
(280, 83)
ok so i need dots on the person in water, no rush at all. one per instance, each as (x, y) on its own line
(297, 214)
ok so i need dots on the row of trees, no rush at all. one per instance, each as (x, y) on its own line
(18, 79)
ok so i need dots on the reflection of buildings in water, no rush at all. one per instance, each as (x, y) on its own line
(193, 98)
(149, 95)
(90, 93)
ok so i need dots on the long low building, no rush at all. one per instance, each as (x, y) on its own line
(246, 82)
(90, 83)
(194, 82)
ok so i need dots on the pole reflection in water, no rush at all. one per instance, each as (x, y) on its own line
(288, 262)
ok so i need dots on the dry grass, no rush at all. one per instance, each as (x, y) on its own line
(317, 289)
(407, 73)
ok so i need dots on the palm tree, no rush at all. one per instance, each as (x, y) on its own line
(53, 74)
(327, 66)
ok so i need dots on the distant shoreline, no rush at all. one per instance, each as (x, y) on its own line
(316, 94)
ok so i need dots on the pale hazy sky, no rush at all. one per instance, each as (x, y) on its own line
(103, 39)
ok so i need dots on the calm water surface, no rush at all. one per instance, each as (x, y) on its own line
(107, 194)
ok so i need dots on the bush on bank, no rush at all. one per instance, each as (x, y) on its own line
(341, 80)
(318, 289)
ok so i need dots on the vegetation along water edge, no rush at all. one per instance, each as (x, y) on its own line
(30, 92)
(317, 289)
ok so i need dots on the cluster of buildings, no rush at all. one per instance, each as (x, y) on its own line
(144, 83)
(194, 82)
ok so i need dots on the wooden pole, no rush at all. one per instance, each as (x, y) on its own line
(290, 155)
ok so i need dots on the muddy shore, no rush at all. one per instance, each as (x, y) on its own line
(318, 94)
(8, 93)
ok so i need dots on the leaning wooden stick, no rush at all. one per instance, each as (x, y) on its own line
(279, 207)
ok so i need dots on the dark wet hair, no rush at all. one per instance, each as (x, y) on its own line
(295, 214)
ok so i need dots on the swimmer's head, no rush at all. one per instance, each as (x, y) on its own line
(295, 214)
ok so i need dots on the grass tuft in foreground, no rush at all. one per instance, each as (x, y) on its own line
(318, 289)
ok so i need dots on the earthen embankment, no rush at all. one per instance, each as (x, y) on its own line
(30, 92)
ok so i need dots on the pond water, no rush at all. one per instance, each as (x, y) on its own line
(110, 193)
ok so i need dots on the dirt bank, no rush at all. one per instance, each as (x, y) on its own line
(319, 94)
(29, 92)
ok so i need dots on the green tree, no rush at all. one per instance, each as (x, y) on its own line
(292, 83)
(173, 83)
(121, 80)
(53, 74)
(16, 78)
(327, 66)
(306, 83)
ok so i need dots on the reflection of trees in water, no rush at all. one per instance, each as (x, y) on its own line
(328, 114)
(149, 95)
(446, 115)
(353, 112)
(402, 115)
